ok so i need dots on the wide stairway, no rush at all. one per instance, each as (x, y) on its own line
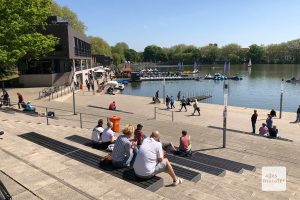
(39, 173)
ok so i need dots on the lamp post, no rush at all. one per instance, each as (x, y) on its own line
(225, 112)
(164, 90)
(73, 91)
(281, 97)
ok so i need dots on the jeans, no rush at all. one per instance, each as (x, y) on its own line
(128, 160)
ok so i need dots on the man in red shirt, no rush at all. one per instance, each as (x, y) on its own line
(185, 142)
(112, 106)
(139, 134)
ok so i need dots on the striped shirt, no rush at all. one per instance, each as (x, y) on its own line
(121, 149)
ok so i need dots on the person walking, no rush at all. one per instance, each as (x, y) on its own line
(20, 100)
(253, 120)
(172, 102)
(196, 107)
(168, 102)
(179, 95)
(183, 104)
(157, 94)
(298, 115)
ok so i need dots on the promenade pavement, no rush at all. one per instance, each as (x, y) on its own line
(52, 176)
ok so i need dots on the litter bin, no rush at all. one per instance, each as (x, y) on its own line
(116, 123)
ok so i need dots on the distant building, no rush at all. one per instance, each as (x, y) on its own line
(102, 60)
(71, 59)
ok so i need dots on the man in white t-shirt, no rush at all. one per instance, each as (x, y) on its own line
(97, 133)
(150, 160)
(108, 136)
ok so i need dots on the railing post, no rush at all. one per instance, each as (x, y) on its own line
(52, 94)
(155, 113)
(80, 120)
(172, 116)
(49, 97)
(47, 116)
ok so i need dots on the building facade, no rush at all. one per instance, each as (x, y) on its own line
(71, 59)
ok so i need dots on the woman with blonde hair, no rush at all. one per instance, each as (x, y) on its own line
(122, 155)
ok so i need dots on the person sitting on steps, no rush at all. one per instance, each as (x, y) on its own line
(124, 150)
(108, 136)
(97, 134)
(150, 160)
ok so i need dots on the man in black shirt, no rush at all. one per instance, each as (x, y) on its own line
(253, 120)
(298, 115)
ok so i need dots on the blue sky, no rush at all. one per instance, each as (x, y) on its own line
(169, 22)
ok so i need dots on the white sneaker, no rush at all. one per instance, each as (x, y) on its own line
(177, 182)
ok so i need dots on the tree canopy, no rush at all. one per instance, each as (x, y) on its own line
(67, 14)
(19, 20)
(99, 46)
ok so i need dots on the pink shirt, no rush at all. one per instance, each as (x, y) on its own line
(184, 142)
(263, 130)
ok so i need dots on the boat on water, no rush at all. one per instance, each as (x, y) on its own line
(293, 80)
(197, 78)
(249, 63)
(235, 78)
(218, 76)
(195, 71)
(208, 76)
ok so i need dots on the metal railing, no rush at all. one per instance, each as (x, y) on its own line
(54, 92)
(62, 116)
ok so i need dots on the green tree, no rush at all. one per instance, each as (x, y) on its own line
(99, 46)
(131, 55)
(68, 15)
(230, 52)
(210, 54)
(154, 53)
(19, 20)
(256, 53)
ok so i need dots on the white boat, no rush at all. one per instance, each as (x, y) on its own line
(196, 71)
(120, 86)
(249, 63)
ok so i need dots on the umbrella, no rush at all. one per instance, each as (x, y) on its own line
(99, 71)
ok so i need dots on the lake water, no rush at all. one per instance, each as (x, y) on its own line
(260, 87)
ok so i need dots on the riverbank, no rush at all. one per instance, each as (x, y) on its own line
(211, 114)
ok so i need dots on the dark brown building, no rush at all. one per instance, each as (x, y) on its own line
(71, 58)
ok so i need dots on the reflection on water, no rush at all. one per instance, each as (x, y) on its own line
(260, 87)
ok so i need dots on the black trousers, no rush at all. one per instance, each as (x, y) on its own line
(253, 127)
(183, 105)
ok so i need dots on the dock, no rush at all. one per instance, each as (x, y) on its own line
(166, 78)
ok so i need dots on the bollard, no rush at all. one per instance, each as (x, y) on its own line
(80, 120)
(172, 116)
(47, 116)
(154, 112)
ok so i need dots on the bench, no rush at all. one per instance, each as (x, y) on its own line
(174, 159)
(221, 162)
(4, 194)
(92, 160)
